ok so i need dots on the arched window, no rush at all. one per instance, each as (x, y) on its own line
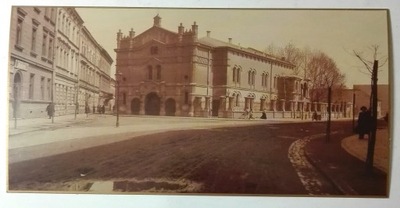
(234, 75)
(150, 72)
(158, 72)
(249, 78)
(263, 79)
(266, 77)
(237, 100)
(253, 78)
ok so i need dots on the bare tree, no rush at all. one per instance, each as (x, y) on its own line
(368, 64)
(323, 73)
(372, 68)
(314, 65)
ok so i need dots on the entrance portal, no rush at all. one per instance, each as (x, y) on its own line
(170, 107)
(215, 107)
(135, 106)
(152, 104)
(16, 94)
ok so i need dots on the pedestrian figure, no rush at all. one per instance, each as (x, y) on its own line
(87, 110)
(263, 115)
(94, 109)
(251, 114)
(50, 110)
(314, 116)
(364, 122)
(103, 109)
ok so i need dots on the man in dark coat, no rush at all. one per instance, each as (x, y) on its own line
(50, 110)
(364, 122)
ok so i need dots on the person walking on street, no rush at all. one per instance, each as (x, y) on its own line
(251, 114)
(50, 110)
(87, 110)
(364, 122)
(263, 115)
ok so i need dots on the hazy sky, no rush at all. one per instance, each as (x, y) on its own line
(335, 32)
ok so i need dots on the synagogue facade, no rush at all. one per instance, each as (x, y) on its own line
(162, 72)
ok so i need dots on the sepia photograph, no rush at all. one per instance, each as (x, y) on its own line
(177, 101)
(133, 100)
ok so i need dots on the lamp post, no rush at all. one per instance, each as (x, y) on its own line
(117, 75)
(76, 99)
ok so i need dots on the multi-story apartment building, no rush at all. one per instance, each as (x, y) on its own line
(179, 73)
(32, 40)
(54, 58)
(69, 26)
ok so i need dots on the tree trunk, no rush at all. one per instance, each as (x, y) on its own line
(372, 136)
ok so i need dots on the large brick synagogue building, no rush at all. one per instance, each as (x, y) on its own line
(161, 72)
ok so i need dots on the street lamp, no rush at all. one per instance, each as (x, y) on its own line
(117, 75)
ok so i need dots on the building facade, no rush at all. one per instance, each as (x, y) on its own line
(32, 60)
(54, 58)
(180, 74)
(69, 26)
(363, 98)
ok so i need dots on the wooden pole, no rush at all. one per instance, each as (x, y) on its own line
(328, 125)
(372, 136)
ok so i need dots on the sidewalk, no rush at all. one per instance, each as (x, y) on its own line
(342, 161)
(37, 124)
(358, 148)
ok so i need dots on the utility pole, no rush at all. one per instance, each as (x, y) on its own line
(372, 136)
(353, 110)
(328, 125)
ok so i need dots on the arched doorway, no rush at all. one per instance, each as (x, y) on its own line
(215, 107)
(170, 107)
(16, 93)
(135, 106)
(152, 104)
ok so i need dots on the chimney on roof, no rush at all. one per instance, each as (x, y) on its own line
(230, 40)
(131, 33)
(181, 29)
(208, 33)
(157, 21)
(195, 29)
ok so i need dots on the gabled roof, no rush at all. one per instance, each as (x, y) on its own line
(212, 42)
(156, 28)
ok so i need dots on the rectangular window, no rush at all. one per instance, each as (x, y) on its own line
(44, 45)
(42, 88)
(31, 85)
(49, 87)
(34, 34)
(47, 12)
(53, 15)
(50, 52)
(18, 37)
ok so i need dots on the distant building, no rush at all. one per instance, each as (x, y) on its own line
(54, 58)
(181, 74)
(363, 97)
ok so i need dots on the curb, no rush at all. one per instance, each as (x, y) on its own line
(339, 185)
(56, 126)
